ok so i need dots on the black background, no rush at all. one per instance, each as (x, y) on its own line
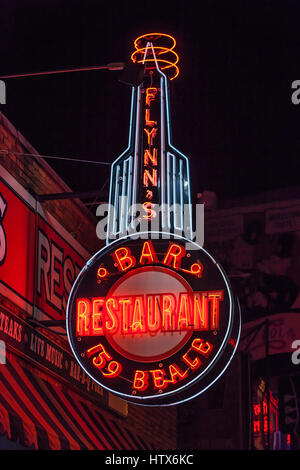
(231, 104)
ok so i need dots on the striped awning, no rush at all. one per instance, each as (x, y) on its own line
(43, 414)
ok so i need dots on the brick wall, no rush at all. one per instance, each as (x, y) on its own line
(156, 425)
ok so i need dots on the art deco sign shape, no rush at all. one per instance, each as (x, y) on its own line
(148, 319)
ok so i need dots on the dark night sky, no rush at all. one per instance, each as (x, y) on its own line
(231, 105)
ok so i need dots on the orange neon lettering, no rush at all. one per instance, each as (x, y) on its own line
(168, 303)
(193, 364)
(148, 177)
(184, 312)
(150, 156)
(151, 135)
(215, 298)
(176, 373)
(114, 369)
(196, 269)
(125, 303)
(203, 347)
(111, 324)
(148, 120)
(83, 312)
(159, 380)
(141, 313)
(200, 311)
(141, 380)
(150, 212)
(150, 94)
(124, 259)
(97, 323)
(138, 321)
(149, 194)
(174, 254)
(100, 360)
(148, 255)
(90, 352)
(153, 314)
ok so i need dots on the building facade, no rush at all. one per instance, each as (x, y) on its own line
(257, 241)
(46, 400)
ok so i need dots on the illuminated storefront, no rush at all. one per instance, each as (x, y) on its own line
(46, 400)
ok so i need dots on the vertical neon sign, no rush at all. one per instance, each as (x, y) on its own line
(151, 171)
(155, 322)
(150, 161)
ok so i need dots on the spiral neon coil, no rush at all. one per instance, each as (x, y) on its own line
(165, 56)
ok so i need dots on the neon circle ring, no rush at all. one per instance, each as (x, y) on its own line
(151, 321)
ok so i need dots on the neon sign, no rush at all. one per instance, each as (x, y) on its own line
(151, 171)
(265, 420)
(165, 56)
(150, 162)
(148, 319)
(141, 314)
(151, 321)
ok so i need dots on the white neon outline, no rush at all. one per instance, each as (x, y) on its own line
(180, 153)
(129, 188)
(124, 190)
(174, 188)
(221, 348)
(168, 181)
(181, 186)
(126, 187)
(171, 177)
(162, 154)
(136, 155)
(116, 198)
(109, 231)
(177, 207)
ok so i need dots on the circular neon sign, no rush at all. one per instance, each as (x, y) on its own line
(152, 322)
